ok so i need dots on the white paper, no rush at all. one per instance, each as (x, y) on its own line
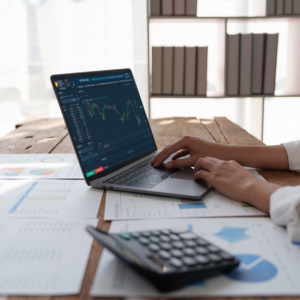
(43, 257)
(270, 262)
(41, 166)
(48, 199)
(121, 206)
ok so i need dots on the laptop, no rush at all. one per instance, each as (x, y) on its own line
(112, 137)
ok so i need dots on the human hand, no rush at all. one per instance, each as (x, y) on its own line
(235, 182)
(194, 146)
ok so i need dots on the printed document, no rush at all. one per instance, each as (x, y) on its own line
(41, 166)
(48, 199)
(270, 262)
(43, 257)
(121, 205)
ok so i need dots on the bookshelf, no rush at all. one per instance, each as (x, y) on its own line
(288, 62)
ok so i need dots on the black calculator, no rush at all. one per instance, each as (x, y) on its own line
(169, 258)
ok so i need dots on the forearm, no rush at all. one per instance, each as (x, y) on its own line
(264, 157)
(258, 193)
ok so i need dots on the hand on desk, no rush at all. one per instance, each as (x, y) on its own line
(235, 182)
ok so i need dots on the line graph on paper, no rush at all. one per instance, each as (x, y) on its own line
(115, 119)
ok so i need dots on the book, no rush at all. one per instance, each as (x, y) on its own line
(167, 71)
(271, 4)
(179, 7)
(258, 51)
(155, 8)
(167, 7)
(233, 58)
(156, 70)
(271, 46)
(201, 73)
(191, 7)
(288, 7)
(245, 64)
(190, 71)
(279, 7)
(178, 74)
(296, 7)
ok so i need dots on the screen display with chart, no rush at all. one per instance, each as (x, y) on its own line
(106, 118)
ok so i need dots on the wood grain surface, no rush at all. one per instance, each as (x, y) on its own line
(36, 135)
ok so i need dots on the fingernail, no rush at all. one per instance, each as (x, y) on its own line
(169, 165)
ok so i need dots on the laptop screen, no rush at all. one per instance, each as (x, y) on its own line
(106, 119)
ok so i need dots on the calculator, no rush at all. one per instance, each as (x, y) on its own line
(169, 258)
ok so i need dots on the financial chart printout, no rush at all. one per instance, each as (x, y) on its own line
(43, 257)
(270, 262)
(106, 118)
(121, 206)
(40, 166)
(48, 199)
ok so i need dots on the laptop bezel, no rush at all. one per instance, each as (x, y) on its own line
(56, 77)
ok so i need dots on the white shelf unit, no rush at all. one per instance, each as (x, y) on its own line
(174, 31)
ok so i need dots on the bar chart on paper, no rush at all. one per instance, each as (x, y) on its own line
(48, 198)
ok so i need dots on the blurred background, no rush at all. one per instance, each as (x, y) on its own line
(39, 38)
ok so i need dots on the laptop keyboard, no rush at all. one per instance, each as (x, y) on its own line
(142, 175)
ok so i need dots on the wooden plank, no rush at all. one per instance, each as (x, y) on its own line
(284, 178)
(36, 136)
(65, 146)
(213, 128)
(234, 134)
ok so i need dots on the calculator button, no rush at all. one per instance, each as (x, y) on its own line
(214, 257)
(143, 240)
(125, 236)
(145, 233)
(201, 250)
(164, 254)
(135, 234)
(155, 232)
(154, 239)
(153, 247)
(164, 238)
(201, 242)
(174, 237)
(188, 236)
(201, 259)
(213, 249)
(189, 251)
(226, 256)
(176, 262)
(178, 245)
(165, 231)
(165, 246)
(189, 261)
(190, 243)
(178, 230)
(176, 253)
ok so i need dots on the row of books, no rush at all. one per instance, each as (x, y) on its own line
(283, 7)
(173, 7)
(179, 70)
(251, 64)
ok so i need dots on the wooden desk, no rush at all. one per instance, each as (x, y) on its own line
(35, 135)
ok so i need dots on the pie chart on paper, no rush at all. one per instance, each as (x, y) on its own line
(41, 172)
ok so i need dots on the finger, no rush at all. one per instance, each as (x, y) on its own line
(181, 163)
(181, 153)
(202, 174)
(168, 151)
(204, 164)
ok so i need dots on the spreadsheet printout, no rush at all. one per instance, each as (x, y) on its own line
(48, 199)
(270, 262)
(43, 257)
(122, 205)
(39, 166)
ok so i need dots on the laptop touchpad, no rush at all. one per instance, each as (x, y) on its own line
(186, 173)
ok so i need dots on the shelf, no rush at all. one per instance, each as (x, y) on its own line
(219, 97)
(221, 18)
